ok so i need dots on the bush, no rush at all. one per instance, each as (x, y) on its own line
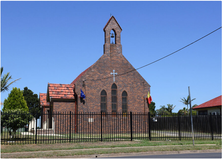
(14, 119)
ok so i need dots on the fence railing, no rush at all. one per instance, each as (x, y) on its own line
(63, 127)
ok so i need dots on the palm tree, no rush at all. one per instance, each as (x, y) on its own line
(170, 108)
(4, 81)
(187, 101)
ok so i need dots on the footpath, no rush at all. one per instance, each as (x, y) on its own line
(98, 152)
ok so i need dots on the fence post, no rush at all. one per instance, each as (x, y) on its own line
(211, 127)
(36, 128)
(101, 126)
(70, 122)
(179, 126)
(149, 126)
(131, 126)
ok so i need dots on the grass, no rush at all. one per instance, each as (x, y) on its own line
(87, 145)
(85, 148)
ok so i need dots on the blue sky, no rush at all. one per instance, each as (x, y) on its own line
(53, 42)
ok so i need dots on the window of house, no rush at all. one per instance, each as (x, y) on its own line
(202, 112)
(124, 103)
(114, 99)
(103, 102)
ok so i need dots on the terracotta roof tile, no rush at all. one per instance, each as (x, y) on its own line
(211, 103)
(43, 101)
(61, 91)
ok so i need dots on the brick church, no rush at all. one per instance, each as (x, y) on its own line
(111, 85)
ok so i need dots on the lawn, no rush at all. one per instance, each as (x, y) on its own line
(90, 148)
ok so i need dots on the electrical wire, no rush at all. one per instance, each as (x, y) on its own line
(161, 57)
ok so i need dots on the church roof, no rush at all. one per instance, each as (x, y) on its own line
(109, 21)
(211, 103)
(80, 75)
(42, 98)
(60, 91)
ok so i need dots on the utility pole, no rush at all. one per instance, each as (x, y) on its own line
(191, 118)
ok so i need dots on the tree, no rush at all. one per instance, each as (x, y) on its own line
(186, 101)
(152, 109)
(186, 111)
(165, 110)
(4, 81)
(170, 108)
(15, 100)
(15, 111)
(15, 119)
(32, 101)
(183, 111)
(162, 110)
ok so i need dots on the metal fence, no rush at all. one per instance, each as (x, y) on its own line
(179, 127)
(89, 127)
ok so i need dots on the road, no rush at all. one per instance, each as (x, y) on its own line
(185, 155)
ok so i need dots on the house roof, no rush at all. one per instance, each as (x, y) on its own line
(80, 75)
(109, 21)
(42, 98)
(211, 103)
(60, 91)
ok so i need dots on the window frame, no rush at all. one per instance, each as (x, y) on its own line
(104, 111)
(114, 112)
(124, 111)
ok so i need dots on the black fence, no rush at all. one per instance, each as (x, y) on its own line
(179, 127)
(89, 127)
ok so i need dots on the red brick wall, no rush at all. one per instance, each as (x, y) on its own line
(133, 83)
(98, 78)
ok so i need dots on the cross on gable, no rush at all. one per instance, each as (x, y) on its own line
(113, 73)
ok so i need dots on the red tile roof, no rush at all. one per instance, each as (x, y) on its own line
(109, 21)
(60, 91)
(42, 98)
(211, 103)
(80, 75)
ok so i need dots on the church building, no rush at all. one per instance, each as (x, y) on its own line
(110, 85)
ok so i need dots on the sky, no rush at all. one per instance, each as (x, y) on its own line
(53, 42)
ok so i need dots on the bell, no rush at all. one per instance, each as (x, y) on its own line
(112, 36)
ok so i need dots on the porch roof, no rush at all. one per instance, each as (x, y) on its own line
(60, 91)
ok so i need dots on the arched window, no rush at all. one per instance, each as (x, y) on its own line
(114, 99)
(124, 103)
(103, 102)
(112, 37)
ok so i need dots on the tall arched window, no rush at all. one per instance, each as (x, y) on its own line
(124, 103)
(103, 102)
(112, 37)
(114, 99)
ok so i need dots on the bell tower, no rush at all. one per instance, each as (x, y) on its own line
(112, 32)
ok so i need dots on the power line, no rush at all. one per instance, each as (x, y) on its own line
(164, 56)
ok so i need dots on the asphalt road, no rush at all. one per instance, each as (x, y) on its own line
(186, 155)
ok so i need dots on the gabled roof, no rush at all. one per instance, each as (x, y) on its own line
(60, 91)
(109, 21)
(80, 75)
(216, 102)
(42, 98)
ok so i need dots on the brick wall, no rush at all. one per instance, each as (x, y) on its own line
(98, 78)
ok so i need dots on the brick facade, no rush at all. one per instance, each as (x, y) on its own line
(98, 77)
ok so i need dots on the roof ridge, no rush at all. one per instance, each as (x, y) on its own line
(109, 21)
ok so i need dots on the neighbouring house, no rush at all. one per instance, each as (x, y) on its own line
(212, 107)
(111, 85)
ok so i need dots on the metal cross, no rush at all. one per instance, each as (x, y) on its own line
(113, 73)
